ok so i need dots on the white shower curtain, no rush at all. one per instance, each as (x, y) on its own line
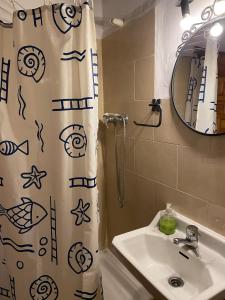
(206, 115)
(197, 63)
(48, 138)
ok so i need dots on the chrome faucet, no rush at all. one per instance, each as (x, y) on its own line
(192, 235)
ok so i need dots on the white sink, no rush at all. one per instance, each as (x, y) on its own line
(157, 258)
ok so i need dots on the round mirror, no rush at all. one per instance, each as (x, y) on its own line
(198, 82)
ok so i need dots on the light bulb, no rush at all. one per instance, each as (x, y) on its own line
(219, 7)
(186, 22)
(216, 30)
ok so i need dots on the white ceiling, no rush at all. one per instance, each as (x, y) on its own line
(104, 10)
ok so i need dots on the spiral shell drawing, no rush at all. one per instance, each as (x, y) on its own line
(75, 140)
(31, 62)
(66, 16)
(80, 258)
(44, 288)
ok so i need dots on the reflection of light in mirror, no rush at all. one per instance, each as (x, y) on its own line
(219, 7)
(216, 30)
(186, 22)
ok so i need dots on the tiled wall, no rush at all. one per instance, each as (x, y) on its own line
(167, 164)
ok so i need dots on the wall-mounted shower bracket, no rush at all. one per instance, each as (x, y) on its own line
(111, 118)
(155, 108)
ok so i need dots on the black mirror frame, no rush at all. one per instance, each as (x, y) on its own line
(208, 16)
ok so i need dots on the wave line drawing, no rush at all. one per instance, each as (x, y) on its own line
(77, 55)
(22, 103)
(39, 134)
(18, 248)
(85, 295)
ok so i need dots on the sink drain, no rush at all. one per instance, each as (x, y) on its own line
(175, 281)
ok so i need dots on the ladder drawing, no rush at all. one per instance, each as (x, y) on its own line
(94, 66)
(4, 85)
(88, 183)
(37, 15)
(201, 97)
(54, 251)
(13, 288)
(73, 104)
(4, 292)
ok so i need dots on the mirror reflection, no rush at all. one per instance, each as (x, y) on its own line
(198, 84)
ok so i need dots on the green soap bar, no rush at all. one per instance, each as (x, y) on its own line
(167, 225)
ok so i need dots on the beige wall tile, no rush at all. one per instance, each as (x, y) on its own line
(135, 40)
(139, 206)
(136, 110)
(194, 208)
(144, 78)
(216, 218)
(174, 131)
(156, 161)
(192, 179)
(119, 82)
(101, 143)
(129, 151)
(202, 174)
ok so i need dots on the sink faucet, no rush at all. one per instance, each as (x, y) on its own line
(191, 240)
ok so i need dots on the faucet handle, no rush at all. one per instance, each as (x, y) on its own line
(192, 232)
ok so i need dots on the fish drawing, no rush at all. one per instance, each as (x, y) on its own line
(24, 216)
(8, 147)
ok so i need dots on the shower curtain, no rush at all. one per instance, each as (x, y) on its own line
(48, 160)
(207, 102)
(191, 107)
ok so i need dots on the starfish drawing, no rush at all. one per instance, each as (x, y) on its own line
(80, 212)
(34, 177)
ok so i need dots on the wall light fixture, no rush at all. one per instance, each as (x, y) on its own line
(219, 7)
(186, 21)
(216, 30)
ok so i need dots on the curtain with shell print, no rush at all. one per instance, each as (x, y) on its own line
(191, 106)
(207, 101)
(48, 155)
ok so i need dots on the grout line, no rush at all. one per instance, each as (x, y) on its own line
(172, 188)
(144, 57)
(177, 171)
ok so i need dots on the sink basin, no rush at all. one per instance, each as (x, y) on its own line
(158, 259)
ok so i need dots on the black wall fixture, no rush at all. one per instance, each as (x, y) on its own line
(185, 9)
(156, 108)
